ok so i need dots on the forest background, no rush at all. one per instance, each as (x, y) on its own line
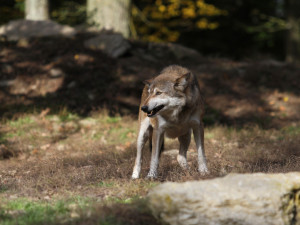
(250, 28)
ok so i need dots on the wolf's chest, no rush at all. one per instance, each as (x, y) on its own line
(175, 129)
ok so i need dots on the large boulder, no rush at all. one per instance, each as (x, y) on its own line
(239, 199)
(113, 44)
(25, 29)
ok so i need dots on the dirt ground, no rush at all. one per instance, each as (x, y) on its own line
(69, 120)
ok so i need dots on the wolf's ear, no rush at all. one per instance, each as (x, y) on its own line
(148, 82)
(182, 82)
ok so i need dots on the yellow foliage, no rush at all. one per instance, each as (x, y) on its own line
(162, 8)
(161, 19)
(202, 23)
(173, 10)
(173, 36)
(188, 13)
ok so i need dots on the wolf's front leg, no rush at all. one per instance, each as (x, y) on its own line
(157, 139)
(199, 139)
(141, 140)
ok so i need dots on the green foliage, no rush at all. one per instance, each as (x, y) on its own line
(11, 10)
(70, 12)
(20, 5)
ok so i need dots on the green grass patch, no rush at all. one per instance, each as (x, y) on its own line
(113, 119)
(113, 199)
(66, 116)
(291, 130)
(105, 184)
(18, 133)
(20, 122)
(77, 210)
(26, 212)
(3, 188)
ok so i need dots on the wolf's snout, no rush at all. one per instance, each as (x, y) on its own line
(144, 108)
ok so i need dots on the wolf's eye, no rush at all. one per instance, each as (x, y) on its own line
(158, 93)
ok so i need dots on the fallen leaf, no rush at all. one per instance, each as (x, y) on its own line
(34, 151)
(281, 108)
(44, 112)
(46, 146)
(127, 144)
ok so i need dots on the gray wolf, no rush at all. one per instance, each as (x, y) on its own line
(171, 105)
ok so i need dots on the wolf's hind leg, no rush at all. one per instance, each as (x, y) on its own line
(199, 139)
(184, 141)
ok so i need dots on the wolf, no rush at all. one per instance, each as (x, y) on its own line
(171, 105)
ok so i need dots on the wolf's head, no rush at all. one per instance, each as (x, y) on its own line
(166, 92)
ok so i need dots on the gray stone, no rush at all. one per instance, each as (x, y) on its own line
(182, 52)
(239, 199)
(24, 29)
(113, 44)
(56, 72)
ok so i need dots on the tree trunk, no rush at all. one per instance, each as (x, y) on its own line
(36, 9)
(293, 32)
(109, 15)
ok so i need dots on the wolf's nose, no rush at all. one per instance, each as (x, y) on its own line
(144, 108)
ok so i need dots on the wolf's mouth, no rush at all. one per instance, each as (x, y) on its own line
(154, 111)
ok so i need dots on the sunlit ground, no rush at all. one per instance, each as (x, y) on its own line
(67, 141)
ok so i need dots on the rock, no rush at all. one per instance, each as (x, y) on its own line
(182, 52)
(113, 44)
(240, 199)
(24, 29)
(23, 43)
(72, 84)
(56, 72)
(6, 83)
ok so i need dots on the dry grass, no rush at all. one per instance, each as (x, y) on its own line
(80, 164)
(58, 157)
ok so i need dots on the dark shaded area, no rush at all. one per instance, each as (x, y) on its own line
(60, 72)
(249, 28)
(130, 214)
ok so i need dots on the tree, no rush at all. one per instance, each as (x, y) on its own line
(293, 32)
(110, 15)
(37, 9)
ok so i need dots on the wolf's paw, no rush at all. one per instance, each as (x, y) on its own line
(203, 170)
(151, 176)
(135, 176)
(182, 162)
